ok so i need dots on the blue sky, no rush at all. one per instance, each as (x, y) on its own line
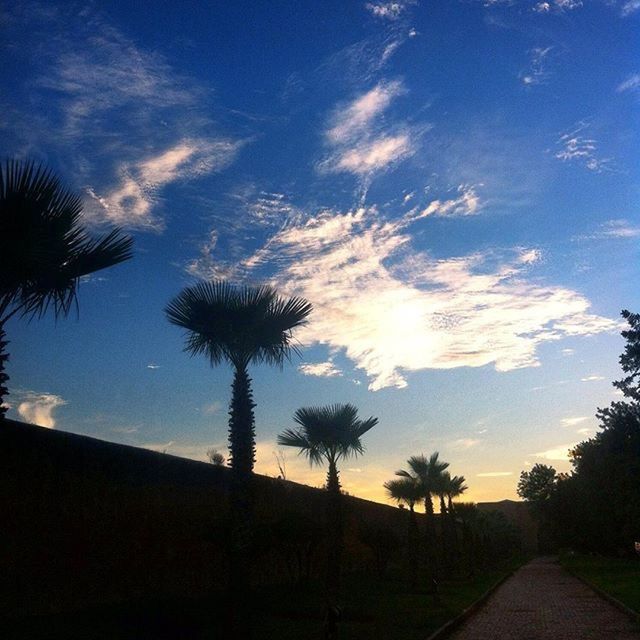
(453, 184)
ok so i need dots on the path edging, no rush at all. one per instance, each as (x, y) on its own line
(454, 623)
(634, 615)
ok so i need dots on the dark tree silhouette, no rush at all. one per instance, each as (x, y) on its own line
(44, 249)
(327, 435)
(242, 326)
(630, 359)
(428, 473)
(536, 486)
(408, 491)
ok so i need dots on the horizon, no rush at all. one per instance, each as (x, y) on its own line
(452, 185)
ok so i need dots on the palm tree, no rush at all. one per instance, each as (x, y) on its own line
(327, 435)
(427, 472)
(456, 487)
(242, 326)
(408, 491)
(44, 248)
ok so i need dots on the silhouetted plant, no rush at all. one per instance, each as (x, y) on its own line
(408, 491)
(44, 249)
(327, 435)
(243, 326)
(427, 472)
(215, 457)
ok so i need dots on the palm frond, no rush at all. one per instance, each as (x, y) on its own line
(330, 432)
(239, 324)
(45, 250)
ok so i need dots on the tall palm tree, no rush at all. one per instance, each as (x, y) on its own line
(327, 435)
(242, 326)
(408, 491)
(44, 249)
(427, 472)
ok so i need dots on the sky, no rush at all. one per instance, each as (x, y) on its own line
(453, 184)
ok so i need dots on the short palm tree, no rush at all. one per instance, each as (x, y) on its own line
(428, 473)
(456, 487)
(242, 326)
(327, 435)
(408, 491)
(44, 249)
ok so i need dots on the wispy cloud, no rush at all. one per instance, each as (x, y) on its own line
(357, 144)
(464, 443)
(629, 7)
(131, 202)
(592, 378)
(561, 452)
(494, 474)
(38, 408)
(612, 230)
(134, 123)
(572, 422)
(391, 309)
(466, 204)
(321, 369)
(632, 83)
(576, 146)
(388, 10)
(536, 73)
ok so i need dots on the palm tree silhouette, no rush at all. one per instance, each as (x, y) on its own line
(241, 325)
(44, 248)
(408, 491)
(428, 473)
(327, 435)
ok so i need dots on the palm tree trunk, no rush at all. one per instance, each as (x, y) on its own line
(334, 551)
(413, 547)
(242, 450)
(4, 378)
(430, 547)
(444, 531)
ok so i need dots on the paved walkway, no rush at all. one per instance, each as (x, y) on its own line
(544, 602)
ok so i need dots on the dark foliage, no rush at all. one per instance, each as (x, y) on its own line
(44, 248)
(597, 506)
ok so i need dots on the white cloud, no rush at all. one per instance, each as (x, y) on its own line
(131, 203)
(612, 230)
(629, 7)
(356, 118)
(567, 352)
(320, 369)
(632, 82)
(38, 408)
(392, 310)
(212, 408)
(371, 156)
(536, 73)
(151, 365)
(561, 452)
(494, 474)
(572, 422)
(591, 378)
(357, 145)
(388, 10)
(466, 204)
(464, 443)
(577, 147)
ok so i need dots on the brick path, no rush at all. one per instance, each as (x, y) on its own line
(544, 602)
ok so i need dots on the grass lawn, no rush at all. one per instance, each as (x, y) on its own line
(617, 577)
(374, 608)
